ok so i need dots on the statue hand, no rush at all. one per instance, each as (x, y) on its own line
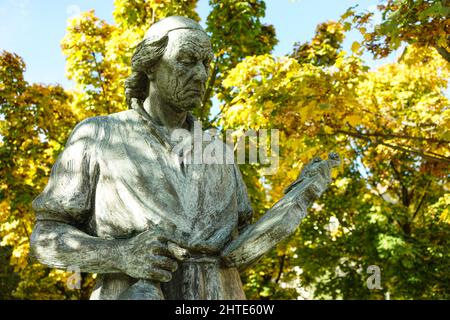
(316, 170)
(148, 256)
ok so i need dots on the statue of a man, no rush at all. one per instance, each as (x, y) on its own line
(119, 202)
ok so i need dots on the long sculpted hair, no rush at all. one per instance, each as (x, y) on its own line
(145, 57)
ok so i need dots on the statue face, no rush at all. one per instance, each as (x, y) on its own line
(180, 76)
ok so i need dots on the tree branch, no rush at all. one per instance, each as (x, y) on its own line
(280, 271)
(383, 135)
(26, 230)
(102, 85)
(443, 52)
(216, 117)
(416, 152)
(210, 85)
(395, 147)
(366, 171)
(404, 194)
(422, 200)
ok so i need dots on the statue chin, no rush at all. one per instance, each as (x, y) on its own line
(192, 100)
(189, 105)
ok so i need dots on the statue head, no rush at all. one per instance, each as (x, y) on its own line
(172, 62)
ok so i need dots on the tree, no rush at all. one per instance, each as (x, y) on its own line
(388, 205)
(421, 22)
(36, 120)
(236, 32)
(324, 48)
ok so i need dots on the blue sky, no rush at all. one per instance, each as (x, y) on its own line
(34, 28)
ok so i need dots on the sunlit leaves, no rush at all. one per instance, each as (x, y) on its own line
(236, 32)
(36, 120)
(390, 125)
(324, 47)
(422, 22)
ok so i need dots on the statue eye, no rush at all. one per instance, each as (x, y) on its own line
(187, 61)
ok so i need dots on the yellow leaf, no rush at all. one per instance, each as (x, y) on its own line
(328, 130)
(445, 216)
(354, 120)
(356, 46)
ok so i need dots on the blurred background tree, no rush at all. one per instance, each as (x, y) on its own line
(389, 203)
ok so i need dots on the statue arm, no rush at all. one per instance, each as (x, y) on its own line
(60, 245)
(282, 219)
(147, 255)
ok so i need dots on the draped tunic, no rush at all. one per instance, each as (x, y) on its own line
(118, 177)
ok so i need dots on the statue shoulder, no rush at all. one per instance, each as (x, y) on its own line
(86, 129)
(99, 127)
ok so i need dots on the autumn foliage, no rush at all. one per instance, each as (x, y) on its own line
(389, 203)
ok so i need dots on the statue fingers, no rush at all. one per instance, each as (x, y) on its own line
(178, 252)
(334, 159)
(164, 263)
(159, 248)
(167, 248)
(158, 275)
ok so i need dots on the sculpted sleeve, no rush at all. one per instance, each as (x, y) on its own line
(70, 191)
(245, 210)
